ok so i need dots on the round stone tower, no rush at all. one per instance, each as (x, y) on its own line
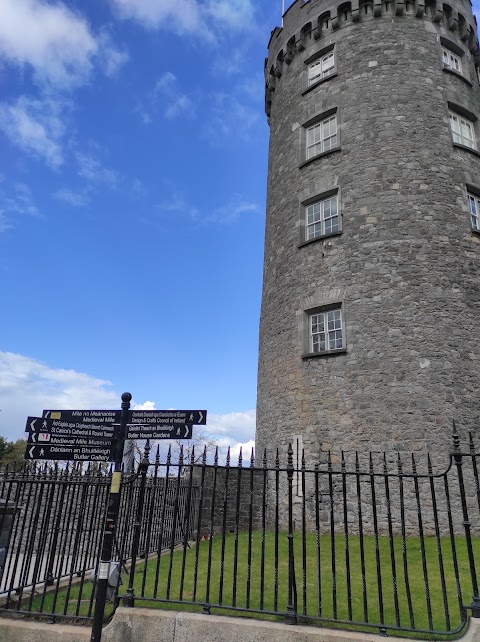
(370, 322)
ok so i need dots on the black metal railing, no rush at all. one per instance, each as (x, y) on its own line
(359, 541)
(52, 533)
(374, 541)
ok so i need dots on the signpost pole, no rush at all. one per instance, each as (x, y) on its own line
(110, 524)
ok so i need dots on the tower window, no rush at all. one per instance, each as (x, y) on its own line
(321, 218)
(474, 209)
(462, 131)
(451, 61)
(326, 331)
(321, 68)
(322, 137)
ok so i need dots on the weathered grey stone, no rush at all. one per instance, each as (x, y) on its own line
(405, 267)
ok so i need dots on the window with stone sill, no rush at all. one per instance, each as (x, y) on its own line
(321, 68)
(474, 209)
(325, 331)
(463, 131)
(321, 137)
(451, 61)
(322, 218)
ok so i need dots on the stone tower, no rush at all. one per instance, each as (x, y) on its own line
(370, 322)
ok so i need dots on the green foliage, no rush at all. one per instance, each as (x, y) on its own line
(12, 451)
(178, 579)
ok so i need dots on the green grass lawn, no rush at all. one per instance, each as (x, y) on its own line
(183, 578)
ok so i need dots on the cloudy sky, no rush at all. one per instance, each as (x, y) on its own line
(133, 151)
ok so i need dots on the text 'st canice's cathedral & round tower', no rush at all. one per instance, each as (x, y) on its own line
(370, 322)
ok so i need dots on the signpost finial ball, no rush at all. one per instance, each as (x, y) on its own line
(126, 396)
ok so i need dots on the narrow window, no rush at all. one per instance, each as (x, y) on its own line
(322, 137)
(474, 208)
(326, 331)
(451, 61)
(462, 131)
(321, 68)
(321, 218)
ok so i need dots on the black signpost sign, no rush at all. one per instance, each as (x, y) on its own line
(99, 435)
(158, 432)
(62, 452)
(84, 416)
(169, 417)
(69, 428)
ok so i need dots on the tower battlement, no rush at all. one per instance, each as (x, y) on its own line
(318, 20)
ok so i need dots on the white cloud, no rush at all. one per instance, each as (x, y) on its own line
(235, 208)
(15, 201)
(138, 189)
(111, 59)
(236, 14)
(146, 405)
(28, 386)
(91, 169)
(5, 223)
(235, 427)
(204, 20)
(76, 199)
(58, 47)
(54, 41)
(177, 103)
(167, 95)
(36, 126)
(178, 203)
(230, 120)
(245, 448)
(230, 212)
(182, 16)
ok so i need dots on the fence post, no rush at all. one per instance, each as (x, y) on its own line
(129, 597)
(291, 615)
(457, 456)
(110, 524)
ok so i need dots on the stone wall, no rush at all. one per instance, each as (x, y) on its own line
(405, 267)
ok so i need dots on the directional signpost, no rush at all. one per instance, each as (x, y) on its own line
(169, 417)
(39, 425)
(99, 435)
(64, 452)
(158, 432)
(85, 416)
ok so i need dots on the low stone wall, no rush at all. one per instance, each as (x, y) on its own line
(152, 625)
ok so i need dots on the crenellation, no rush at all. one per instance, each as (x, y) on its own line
(347, 13)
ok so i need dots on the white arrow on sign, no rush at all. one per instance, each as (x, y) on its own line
(30, 452)
(47, 414)
(32, 424)
(33, 437)
(200, 419)
(186, 431)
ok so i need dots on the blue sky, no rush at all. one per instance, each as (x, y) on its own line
(133, 154)
(133, 157)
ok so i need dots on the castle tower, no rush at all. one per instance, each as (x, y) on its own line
(370, 322)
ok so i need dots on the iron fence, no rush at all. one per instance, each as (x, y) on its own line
(356, 541)
(362, 541)
(53, 520)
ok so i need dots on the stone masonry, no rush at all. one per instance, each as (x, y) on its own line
(404, 270)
